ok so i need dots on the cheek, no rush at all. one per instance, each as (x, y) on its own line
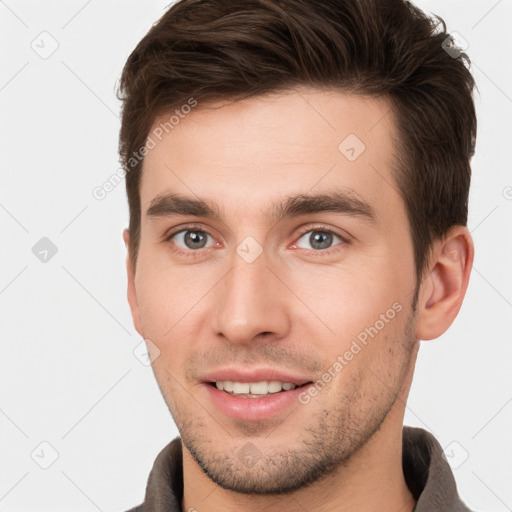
(349, 298)
(159, 295)
(170, 297)
(372, 360)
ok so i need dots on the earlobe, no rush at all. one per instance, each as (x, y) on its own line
(443, 289)
(132, 291)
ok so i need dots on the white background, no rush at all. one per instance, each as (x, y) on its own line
(68, 375)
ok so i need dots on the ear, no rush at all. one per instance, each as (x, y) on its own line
(444, 286)
(132, 292)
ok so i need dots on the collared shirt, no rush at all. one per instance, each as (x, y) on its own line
(427, 474)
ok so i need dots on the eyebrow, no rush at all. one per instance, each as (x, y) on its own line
(166, 205)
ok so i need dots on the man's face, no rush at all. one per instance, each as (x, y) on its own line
(254, 296)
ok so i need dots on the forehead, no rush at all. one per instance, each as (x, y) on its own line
(254, 151)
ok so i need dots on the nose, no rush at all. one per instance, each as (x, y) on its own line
(251, 302)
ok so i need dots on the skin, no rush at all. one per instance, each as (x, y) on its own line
(342, 450)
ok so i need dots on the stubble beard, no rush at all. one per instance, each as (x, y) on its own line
(329, 441)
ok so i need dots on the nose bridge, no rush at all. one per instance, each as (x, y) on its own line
(249, 302)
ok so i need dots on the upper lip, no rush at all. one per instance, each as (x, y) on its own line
(254, 375)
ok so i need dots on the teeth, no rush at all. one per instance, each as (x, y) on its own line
(250, 389)
(240, 387)
(259, 388)
(274, 386)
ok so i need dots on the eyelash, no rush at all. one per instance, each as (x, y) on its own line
(190, 253)
(321, 228)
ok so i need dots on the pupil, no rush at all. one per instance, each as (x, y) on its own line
(195, 239)
(320, 240)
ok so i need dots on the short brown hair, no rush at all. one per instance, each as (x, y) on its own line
(234, 49)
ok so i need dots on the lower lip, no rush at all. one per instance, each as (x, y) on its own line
(253, 409)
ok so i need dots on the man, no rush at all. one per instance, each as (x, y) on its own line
(297, 174)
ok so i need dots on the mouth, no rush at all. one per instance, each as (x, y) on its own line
(260, 389)
(255, 401)
(254, 393)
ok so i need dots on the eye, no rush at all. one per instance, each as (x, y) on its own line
(191, 239)
(318, 239)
